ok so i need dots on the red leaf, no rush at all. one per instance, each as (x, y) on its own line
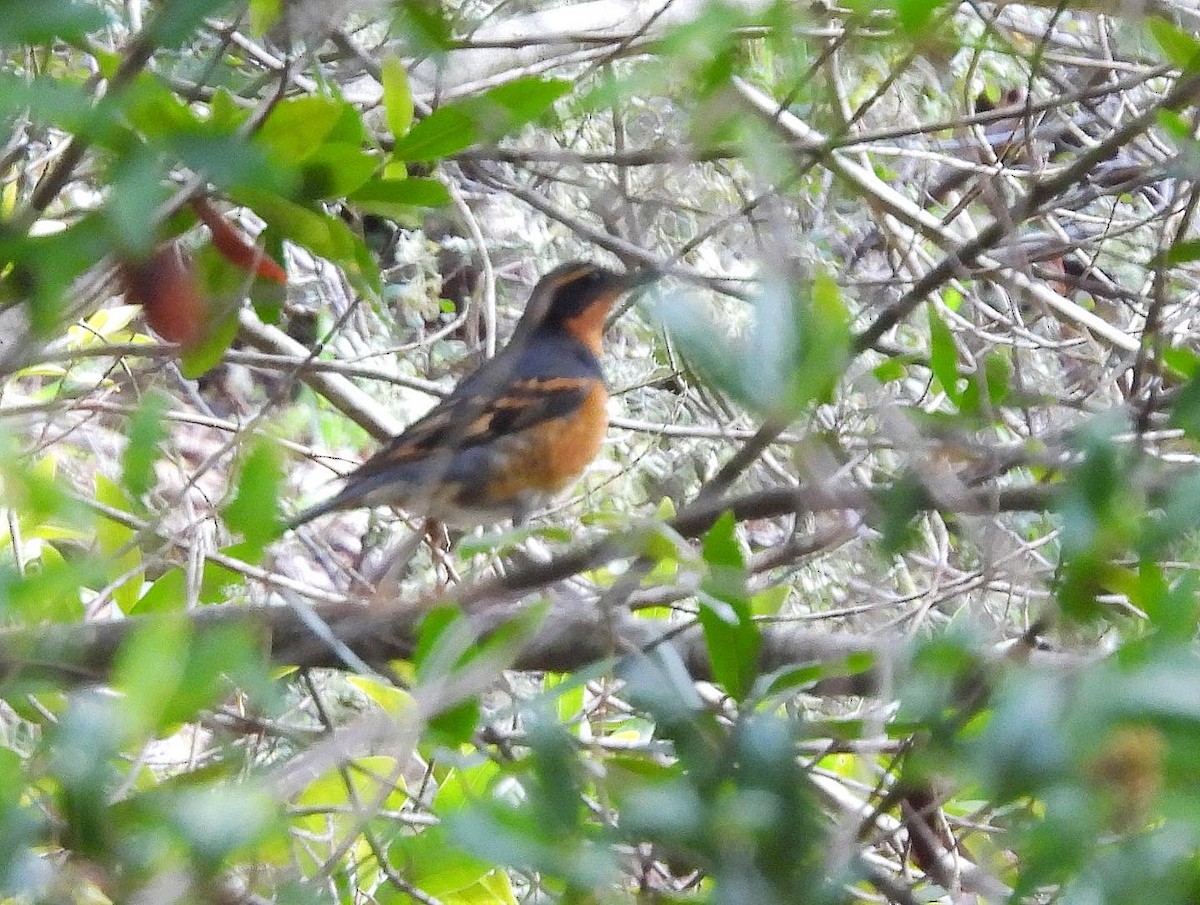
(236, 248)
(165, 288)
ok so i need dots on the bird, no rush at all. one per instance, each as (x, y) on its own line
(515, 432)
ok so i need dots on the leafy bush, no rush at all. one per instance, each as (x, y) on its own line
(884, 584)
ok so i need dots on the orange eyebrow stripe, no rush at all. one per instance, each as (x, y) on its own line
(541, 385)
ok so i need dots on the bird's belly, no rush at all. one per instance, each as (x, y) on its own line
(549, 457)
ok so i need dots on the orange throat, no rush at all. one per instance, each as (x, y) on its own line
(588, 325)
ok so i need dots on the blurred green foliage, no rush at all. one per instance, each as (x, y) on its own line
(198, 771)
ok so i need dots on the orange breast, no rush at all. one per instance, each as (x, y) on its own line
(555, 452)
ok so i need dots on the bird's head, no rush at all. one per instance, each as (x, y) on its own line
(577, 297)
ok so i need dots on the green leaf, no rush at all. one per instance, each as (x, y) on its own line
(1101, 511)
(224, 115)
(442, 642)
(349, 129)
(660, 543)
(543, 832)
(231, 162)
(218, 657)
(943, 355)
(424, 25)
(797, 349)
(208, 354)
(384, 196)
(998, 369)
(455, 127)
(372, 778)
(825, 340)
(320, 233)
(168, 672)
(789, 679)
(914, 15)
(494, 889)
(46, 21)
(147, 430)
(362, 270)
(86, 739)
(215, 821)
(167, 594)
(296, 222)
(49, 594)
(1179, 47)
(769, 601)
(723, 555)
(568, 695)
(334, 170)
(395, 702)
(155, 112)
(217, 579)
(254, 512)
(465, 783)
(505, 541)
(702, 53)
(298, 126)
(115, 538)
(435, 865)
(22, 826)
(892, 369)
(443, 132)
(1182, 252)
(397, 96)
(149, 667)
(1185, 413)
(33, 492)
(1182, 361)
(455, 725)
(994, 377)
(447, 640)
(264, 14)
(1179, 127)
(176, 21)
(1171, 608)
(725, 613)
(47, 101)
(508, 107)
(900, 505)
(1178, 517)
(266, 296)
(137, 187)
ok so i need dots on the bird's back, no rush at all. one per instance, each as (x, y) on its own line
(516, 430)
(519, 429)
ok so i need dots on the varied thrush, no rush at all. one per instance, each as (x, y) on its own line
(516, 431)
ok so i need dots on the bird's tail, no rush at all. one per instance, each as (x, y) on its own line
(307, 515)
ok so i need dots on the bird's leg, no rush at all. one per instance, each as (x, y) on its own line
(383, 568)
(532, 549)
(520, 514)
(612, 603)
(438, 538)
